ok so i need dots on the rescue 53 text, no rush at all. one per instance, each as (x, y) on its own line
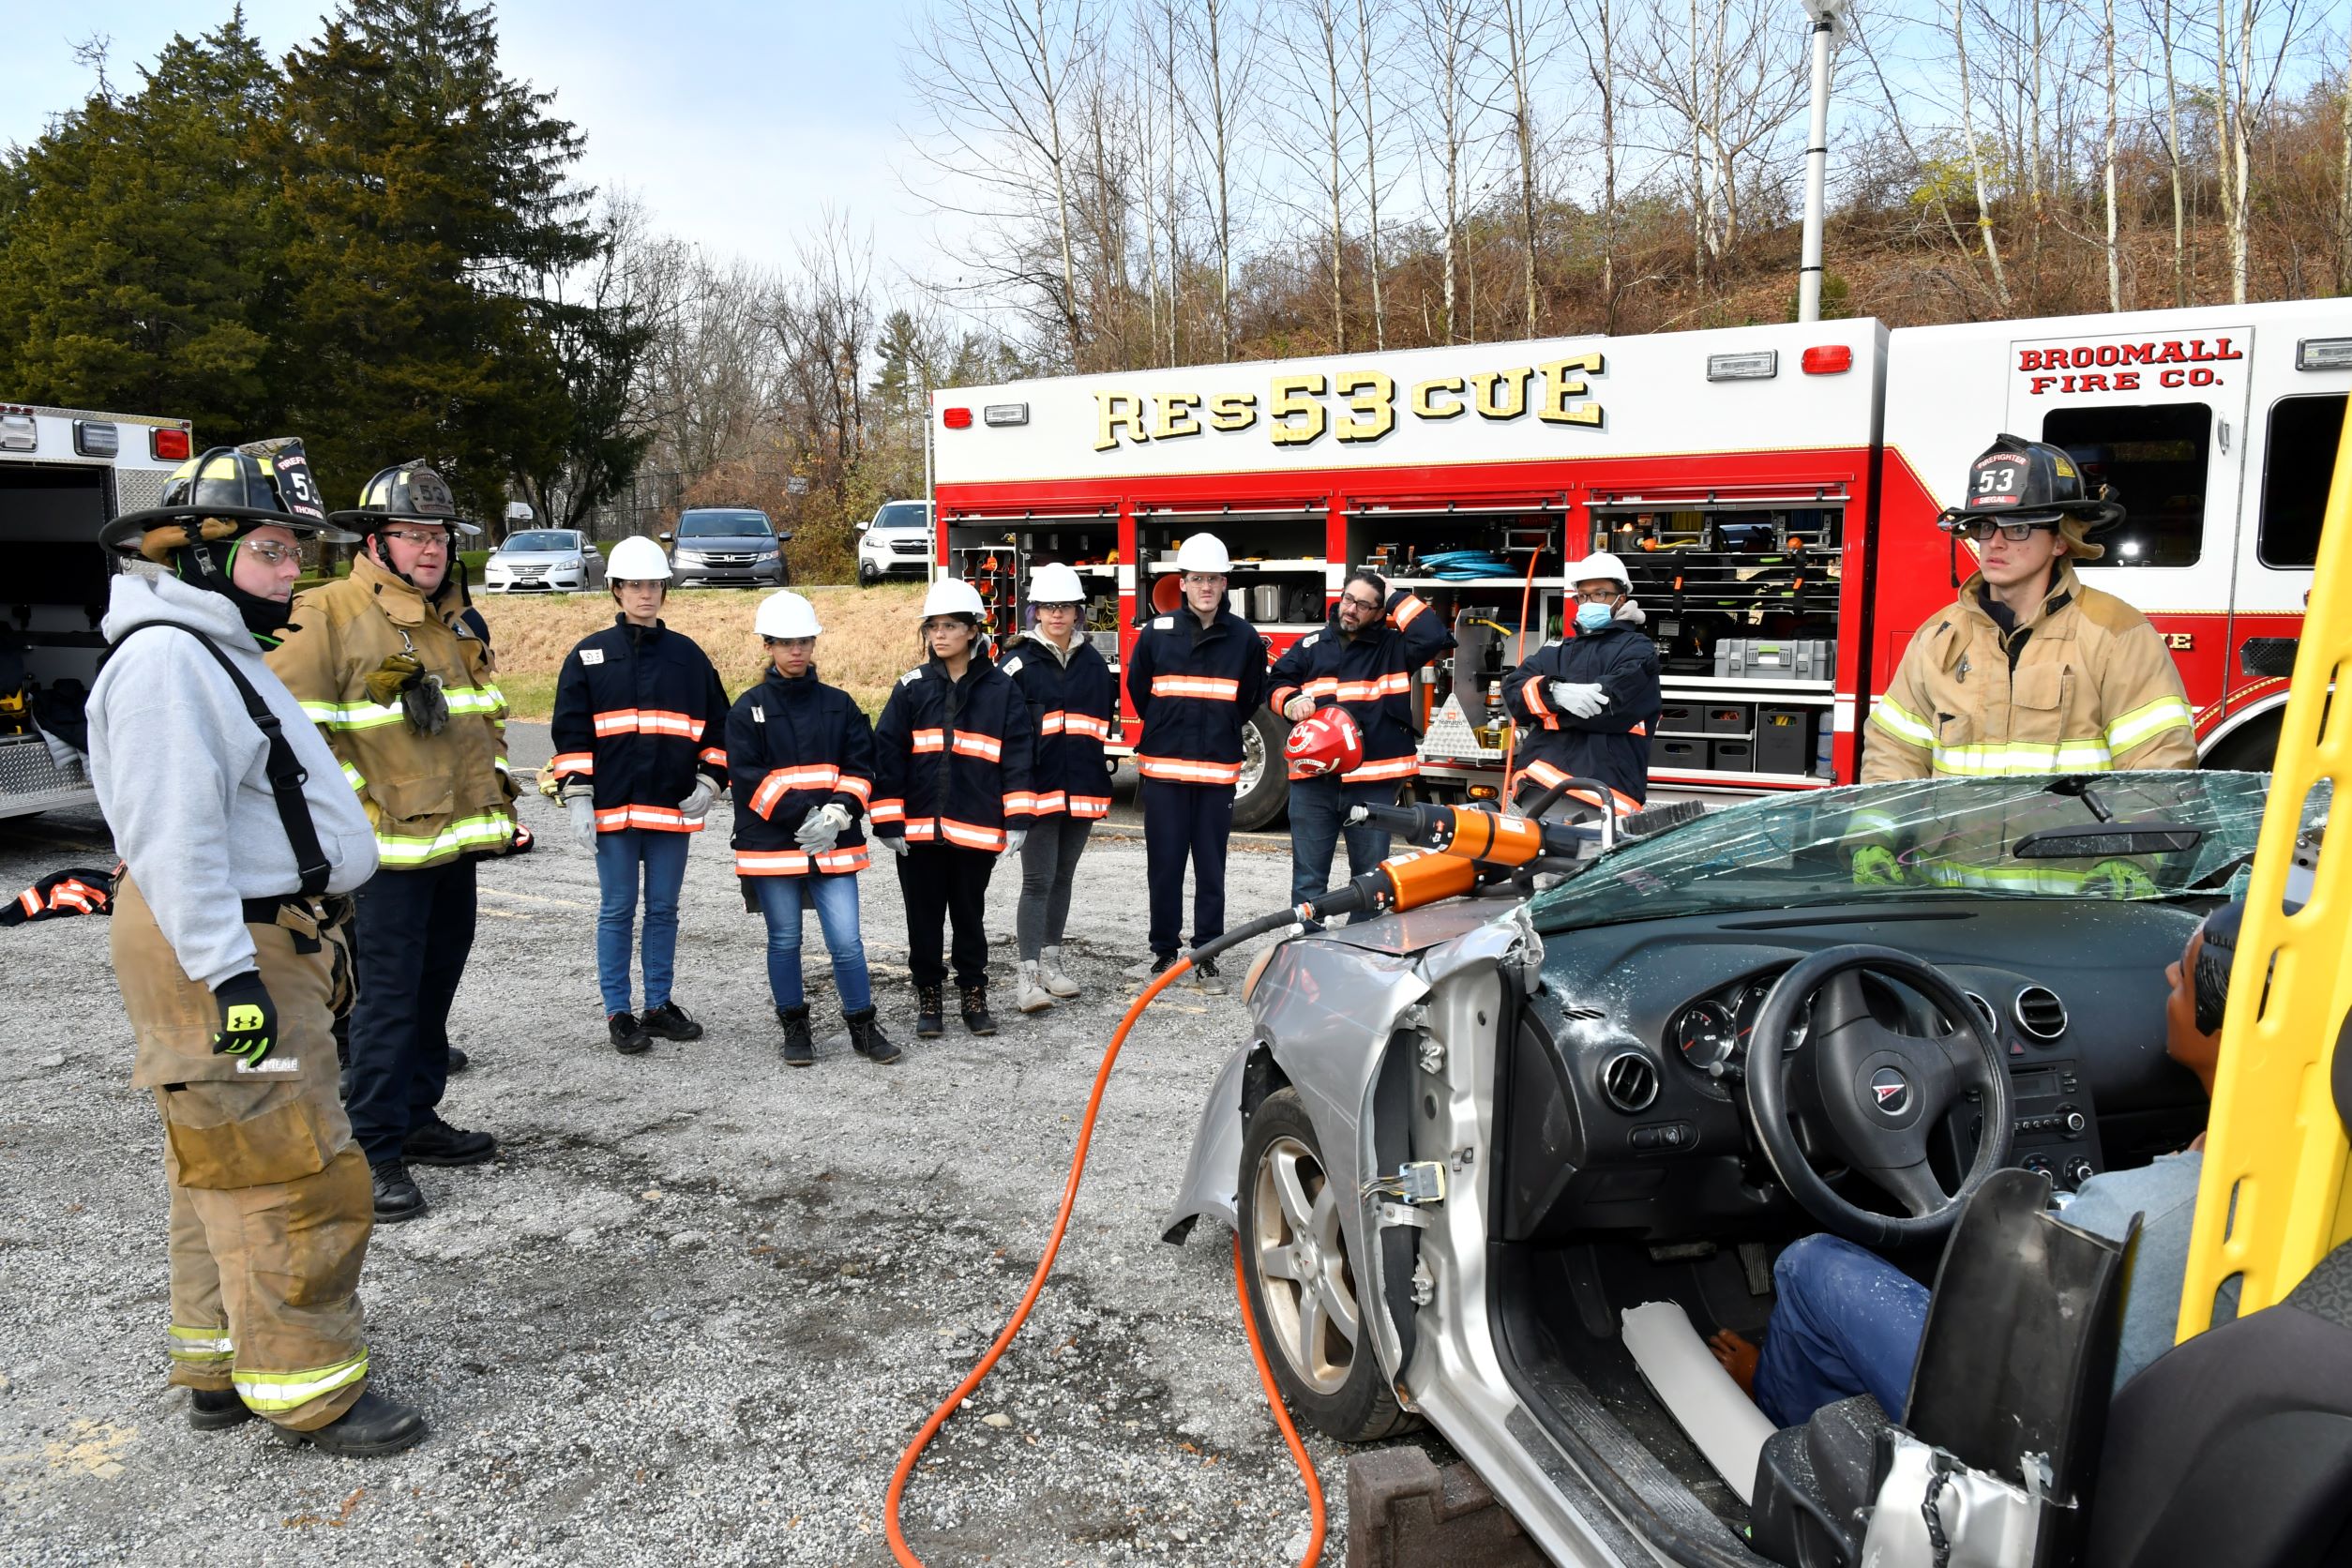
(1296, 414)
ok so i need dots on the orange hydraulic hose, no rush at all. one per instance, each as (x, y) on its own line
(899, 1547)
(1282, 1416)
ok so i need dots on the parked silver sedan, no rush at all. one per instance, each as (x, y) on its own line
(1460, 1142)
(544, 560)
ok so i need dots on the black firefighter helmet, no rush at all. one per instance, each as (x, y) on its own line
(223, 494)
(407, 492)
(2019, 481)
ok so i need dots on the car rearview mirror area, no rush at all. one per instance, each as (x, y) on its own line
(2103, 840)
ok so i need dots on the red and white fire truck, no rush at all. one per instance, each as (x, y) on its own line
(1774, 490)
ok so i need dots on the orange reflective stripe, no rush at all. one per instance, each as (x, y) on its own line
(970, 835)
(927, 739)
(566, 763)
(798, 863)
(1051, 724)
(653, 819)
(1322, 686)
(971, 744)
(647, 722)
(1048, 804)
(850, 784)
(771, 789)
(715, 755)
(1280, 696)
(1176, 770)
(1084, 724)
(1019, 802)
(1407, 612)
(620, 721)
(1207, 686)
(1406, 766)
(890, 808)
(1090, 806)
(1531, 693)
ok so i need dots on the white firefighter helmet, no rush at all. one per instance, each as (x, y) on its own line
(1599, 565)
(786, 615)
(1055, 583)
(953, 596)
(1205, 553)
(636, 559)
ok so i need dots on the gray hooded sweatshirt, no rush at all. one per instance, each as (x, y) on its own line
(181, 773)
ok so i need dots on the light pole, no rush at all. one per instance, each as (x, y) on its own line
(1829, 25)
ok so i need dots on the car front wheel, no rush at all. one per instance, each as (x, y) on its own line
(1302, 1283)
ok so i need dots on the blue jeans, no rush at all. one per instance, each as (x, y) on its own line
(1318, 809)
(782, 900)
(1847, 1323)
(623, 858)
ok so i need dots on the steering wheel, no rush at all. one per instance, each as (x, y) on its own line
(1880, 1093)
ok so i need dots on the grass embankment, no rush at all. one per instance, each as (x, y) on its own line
(868, 640)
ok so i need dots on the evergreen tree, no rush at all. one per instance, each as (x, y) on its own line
(431, 201)
(141, 246)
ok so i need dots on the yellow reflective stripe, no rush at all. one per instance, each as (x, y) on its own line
(474, 699)
(2013, 879)
(469, 833)
(1996, 760)
(2148, 721)
(368, 715)
(358, 779)
(283, 1391)
(206, 1344)
(1901, 723)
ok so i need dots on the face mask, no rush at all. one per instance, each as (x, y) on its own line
(1593, 617)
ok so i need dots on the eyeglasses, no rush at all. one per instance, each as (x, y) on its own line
(1982, 529)
(1599, 595)
(1373, 606)
(420, 538)
(271, 554)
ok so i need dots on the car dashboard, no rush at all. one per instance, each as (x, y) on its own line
(1623, 1107)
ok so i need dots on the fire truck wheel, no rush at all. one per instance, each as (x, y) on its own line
(2251, 749)
(1263, 790)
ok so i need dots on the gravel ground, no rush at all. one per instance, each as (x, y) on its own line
(699, 1303)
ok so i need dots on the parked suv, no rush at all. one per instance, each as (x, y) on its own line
(726, 545)
(897, 543)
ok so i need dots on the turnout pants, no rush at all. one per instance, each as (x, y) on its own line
(410, 940)
(1186, 824)
(271, 1204)
(944, 884)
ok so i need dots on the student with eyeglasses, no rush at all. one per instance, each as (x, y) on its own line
(2029, 671)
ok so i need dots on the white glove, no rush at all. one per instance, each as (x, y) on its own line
(822, 828)
(1298, 708)
(1013, 840)
(583, 809)
(894, 845)
(1631, 613)
(1581, 698)
(698, 804)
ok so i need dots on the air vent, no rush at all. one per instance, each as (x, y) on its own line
(1593, 1014)
(1985, 1011)
(2039, 1012)
(1630, 1080)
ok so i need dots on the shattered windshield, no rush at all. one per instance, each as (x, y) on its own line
(1937, 834)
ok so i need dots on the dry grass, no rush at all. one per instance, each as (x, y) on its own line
(868, 640)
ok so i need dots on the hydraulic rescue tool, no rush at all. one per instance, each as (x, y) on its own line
(1455, 851)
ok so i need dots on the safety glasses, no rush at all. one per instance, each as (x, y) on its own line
(1982, 529)
(270, 553)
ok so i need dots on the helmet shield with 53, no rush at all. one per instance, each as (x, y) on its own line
(407, 492)
(224, 494)
(2032, 483)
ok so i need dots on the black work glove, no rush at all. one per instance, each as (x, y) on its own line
(249, 1018)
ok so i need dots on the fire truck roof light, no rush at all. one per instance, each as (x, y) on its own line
(166, 445)
(1006, 413)
(1827, 360)
(956, 418)
(1753, 365)
(2324, 354)
(96, 438)
(18, 433)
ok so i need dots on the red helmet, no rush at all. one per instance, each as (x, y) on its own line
(1325, 741)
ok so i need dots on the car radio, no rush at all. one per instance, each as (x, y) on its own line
(2056, 1133)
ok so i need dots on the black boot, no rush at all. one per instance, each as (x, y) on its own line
(436, 1142)
(459, 1061)
(799, 1050)
(628, 1036)
(930, 1013)
(374, 1425)
(216, 1409)
(867, 1039)
(975, 1009)
(671, 1022)
(397, 1196)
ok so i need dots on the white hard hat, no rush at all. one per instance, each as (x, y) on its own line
(1203, 553)
(787, 615)
(636, 559)
(1599, 563)
(953, 596)
(1055, 583)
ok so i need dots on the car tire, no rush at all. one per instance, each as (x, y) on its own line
(868, 574)
(1330, 1376)
(1265, 789)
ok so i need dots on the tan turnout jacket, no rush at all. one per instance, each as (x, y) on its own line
(2093, 690)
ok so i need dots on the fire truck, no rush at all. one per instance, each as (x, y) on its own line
(64, 475)
(1774, 490)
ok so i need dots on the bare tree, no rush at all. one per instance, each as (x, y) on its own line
(997, 77)
(2173, 158)
(1445, 38)
(1976, 156)
(1599, 64)
(1732, 83)
(1312, 49)
(1368, 12)
(1523, 44)
(1219, 44)
(2343, 184)
(824, 324)
(2115, 272)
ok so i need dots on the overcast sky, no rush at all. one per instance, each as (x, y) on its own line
(733, 123)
